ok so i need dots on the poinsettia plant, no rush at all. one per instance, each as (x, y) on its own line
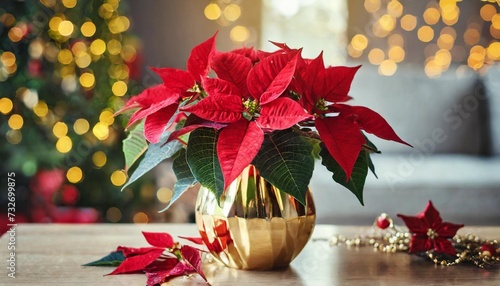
(275, 110)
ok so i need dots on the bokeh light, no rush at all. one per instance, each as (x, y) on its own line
(408, 22)
(101, 131)
(431, 16)
(6, 105)
(387, 68)
(119, 88)
(14, 136)
(107, 117)
(99, 159)
(232, 12)
(396, 54)
(395, 8)
(140, 217)
(98, 47)
(372, 6)
(376, 56)
(69, 3)
(65, 56)
(16, 121)
(81, 126)
(88, 29)
(41, 109)
(239, 33)
(118, 178)
(65, 28)
(164, 195)
(113, 214)
(359, 42)
(119, 24)
(64, 144)
(425, 34)
(60, 129)
(87, 80)
(114, 47)
(493, 51)
(212, 11)
(74, 174)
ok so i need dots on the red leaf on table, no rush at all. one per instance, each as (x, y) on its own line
(137, 263)
(343, 140)
(133, 251)
(237, 146)
(161, 269)
(159, 239)
(192, 256)
(197, 240)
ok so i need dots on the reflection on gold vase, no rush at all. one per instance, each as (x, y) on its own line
(256, 225)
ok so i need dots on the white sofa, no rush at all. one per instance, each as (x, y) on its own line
(454, 125)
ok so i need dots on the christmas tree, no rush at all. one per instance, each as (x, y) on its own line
(65, 68)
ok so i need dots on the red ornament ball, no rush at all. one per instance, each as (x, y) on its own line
(383, 221)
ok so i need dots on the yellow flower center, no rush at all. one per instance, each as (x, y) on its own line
(432, 233)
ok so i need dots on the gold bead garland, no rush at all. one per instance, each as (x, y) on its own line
(394, 239)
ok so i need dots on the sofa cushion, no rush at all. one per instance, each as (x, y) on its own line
(492, 90)
(440, 115)
(465, 189)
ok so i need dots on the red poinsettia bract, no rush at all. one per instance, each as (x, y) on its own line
(254, 94)
(430, 232)
(158, 104)
(248, 99)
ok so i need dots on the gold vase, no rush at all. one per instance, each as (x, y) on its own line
(256, 225)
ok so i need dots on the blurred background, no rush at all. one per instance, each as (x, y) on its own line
(429, 67)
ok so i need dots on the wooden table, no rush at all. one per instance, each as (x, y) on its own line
(51, 254)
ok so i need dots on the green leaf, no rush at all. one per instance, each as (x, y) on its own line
(113, 259)
(202, 158)
(134, 146)
(371, 148)
(286, 161)
(370, 164)
(316, 146)
(185, 178)
(357, 181)
(155, 154)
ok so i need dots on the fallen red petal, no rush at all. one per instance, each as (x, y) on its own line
(137, 263)
(159, 239)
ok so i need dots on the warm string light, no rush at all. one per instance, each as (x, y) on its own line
(74, 66)
(444, 46)
(226, 13)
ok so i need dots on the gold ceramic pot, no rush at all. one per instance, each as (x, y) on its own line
(256, 225)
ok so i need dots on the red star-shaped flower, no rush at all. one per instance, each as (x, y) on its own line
(430, 232)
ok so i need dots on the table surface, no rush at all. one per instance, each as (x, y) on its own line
(53, 255)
